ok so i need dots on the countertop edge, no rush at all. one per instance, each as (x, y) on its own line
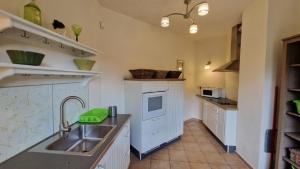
(225, 107)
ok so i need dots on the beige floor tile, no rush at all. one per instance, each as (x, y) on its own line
(176, 155)
(188, 139)
(201, 138)
(190, 146)
(219, 166)
(214, 158)
(179, 165)
(233, 159)
(176, 146)
(197, 149)
(199, 166)
(196, 157)
(161, 155)
(157, 164)
(144, 164)
(207, 147)
(239, 167)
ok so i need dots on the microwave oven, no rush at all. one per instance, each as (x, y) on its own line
(212, 92)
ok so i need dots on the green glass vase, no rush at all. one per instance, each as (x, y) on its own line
(33, 13)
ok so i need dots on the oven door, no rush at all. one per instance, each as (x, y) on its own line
(154, 105)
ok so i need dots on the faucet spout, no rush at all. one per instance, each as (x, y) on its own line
(64, 125)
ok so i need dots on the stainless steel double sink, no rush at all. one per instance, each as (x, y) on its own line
(81, 140)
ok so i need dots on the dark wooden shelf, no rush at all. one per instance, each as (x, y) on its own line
(295, 65)
(286, 159)
(293, 135)
(294, 90)
(293, 114)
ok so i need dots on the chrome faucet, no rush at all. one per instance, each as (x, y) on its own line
(64, 125)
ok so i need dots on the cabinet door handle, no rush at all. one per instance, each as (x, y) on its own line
(100, 166)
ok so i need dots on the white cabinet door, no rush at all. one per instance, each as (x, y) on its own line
(212, 117)
(154, 133)
(175, 110)
(221, 124)
(118, 155)
(205, 112)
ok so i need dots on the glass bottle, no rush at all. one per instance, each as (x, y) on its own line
(33, 13)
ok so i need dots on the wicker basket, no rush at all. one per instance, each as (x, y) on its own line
(142, 73)
(173, 74)
(295, 155)
(160, 74)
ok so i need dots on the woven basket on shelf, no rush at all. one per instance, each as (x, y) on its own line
(173, 74)
(142, 73)
(160, 74)
(295, 155)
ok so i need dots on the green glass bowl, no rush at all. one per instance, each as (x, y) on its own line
(25, 57)
(84, 64)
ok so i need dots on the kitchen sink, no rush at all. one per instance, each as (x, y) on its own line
(82, 140)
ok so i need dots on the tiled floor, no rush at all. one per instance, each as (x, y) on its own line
(197, 149)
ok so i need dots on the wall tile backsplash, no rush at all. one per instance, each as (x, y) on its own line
(73, 108)
(30, 114)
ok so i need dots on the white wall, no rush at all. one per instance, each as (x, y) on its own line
(214, 50)
(126, 42)
(251, 82)
(218, 50)
(265, 22)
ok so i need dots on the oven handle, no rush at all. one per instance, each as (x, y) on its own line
(156, 92)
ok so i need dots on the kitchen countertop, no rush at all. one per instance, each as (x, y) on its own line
(35, 160)
(213, 101)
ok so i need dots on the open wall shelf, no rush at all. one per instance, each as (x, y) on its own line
(18, 28)
(286, 159)
(8, 70)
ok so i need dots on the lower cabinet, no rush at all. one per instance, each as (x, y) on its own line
(154, 132)
(118, 155)
(222, 123)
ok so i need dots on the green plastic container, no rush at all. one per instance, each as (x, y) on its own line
(297, 102)
(94, 116)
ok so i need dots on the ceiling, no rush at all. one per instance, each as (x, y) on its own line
(223, 14)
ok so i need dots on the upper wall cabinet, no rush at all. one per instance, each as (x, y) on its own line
(17, 28)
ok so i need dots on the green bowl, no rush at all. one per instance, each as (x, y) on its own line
(84, 64)
(25, 57)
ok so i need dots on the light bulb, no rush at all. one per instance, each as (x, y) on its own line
(193, 29)
(165, 22)
(203, 9)
(207, 67)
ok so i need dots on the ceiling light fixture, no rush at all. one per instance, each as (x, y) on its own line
(207, 65)
(193, 29)
(203, 9)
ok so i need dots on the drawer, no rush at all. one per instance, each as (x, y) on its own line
(153, 133)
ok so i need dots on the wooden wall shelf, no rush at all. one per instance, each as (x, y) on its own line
(293, 114)
(291, 162)
(293, 135)
(18, 28)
